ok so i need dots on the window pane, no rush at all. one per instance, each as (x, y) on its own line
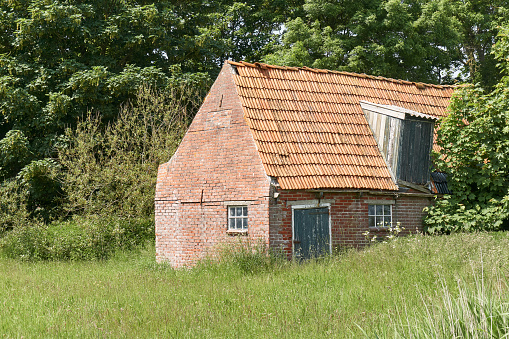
(387, 209)
(380, 221)
(244, 223)
(232, 211)
(239, 211)
(239, 223)
(379, 209)
(372, 222)
(371, 210)
(244, 211)
(232, 224)
(387, 221)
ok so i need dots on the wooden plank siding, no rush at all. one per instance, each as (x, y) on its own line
(405, 145)
(415, 154)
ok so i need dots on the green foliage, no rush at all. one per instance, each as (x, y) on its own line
(429, 41)
(113, 170)
(480, 22)
(14, 210)
(402, 39)
(41, 179)
(105, 170)
(242, 30)
(474, 142)
(79, 239)
(14, 153)
(60, 59)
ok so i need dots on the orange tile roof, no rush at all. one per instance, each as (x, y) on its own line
(310, 129)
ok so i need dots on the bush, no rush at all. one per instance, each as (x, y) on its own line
(77, 239)
(104, 177)
(474, 151)
(113, 170)
(41, 179)
(13, 205)
(14, 152)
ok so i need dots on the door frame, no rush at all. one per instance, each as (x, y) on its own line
(306, 205)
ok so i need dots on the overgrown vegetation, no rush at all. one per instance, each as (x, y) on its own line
(103, 178)
(376, 289)
(112, 170)
(13, 206)
(474, 141)
(480, 310)
(78, 239)
(245, 255)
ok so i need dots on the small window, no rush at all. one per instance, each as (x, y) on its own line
(237, 218)
(380, 215)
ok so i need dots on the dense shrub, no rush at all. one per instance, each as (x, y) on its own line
(41, 180)
(14, 153)
(113, 170)
(104, 179)
(13, 205)
(474, 151)
(77, 239)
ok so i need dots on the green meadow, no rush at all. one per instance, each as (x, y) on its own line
(421, 286)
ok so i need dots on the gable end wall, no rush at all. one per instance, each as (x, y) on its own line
(216, 165)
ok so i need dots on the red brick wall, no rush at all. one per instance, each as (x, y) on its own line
(349, 216)
(216, 163)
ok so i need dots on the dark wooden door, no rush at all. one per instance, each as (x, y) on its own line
(311, 235)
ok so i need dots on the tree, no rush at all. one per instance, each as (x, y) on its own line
(436, 41)
(474, 142)
(59, 59)
(479, 21)
(242, 30)
(412, 39)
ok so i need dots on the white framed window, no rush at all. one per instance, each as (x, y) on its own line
(380, 215)
(237, 218)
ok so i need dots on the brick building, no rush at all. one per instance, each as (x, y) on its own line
(303, 160)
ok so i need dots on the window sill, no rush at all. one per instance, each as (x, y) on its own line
(380, 228)
(236, 232)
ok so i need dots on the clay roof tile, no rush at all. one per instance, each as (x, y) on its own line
(310, 129)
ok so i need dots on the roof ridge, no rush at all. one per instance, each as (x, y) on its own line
(419, 85)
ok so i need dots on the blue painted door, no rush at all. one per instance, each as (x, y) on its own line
(311, 235)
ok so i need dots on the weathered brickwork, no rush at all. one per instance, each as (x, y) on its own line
(187, 232)
(348, 215)
(216, 165)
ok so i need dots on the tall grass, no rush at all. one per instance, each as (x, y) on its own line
(244, 255)
(132, 296)
(476, 310)
(474, 313)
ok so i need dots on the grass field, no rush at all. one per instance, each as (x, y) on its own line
(374, 291)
